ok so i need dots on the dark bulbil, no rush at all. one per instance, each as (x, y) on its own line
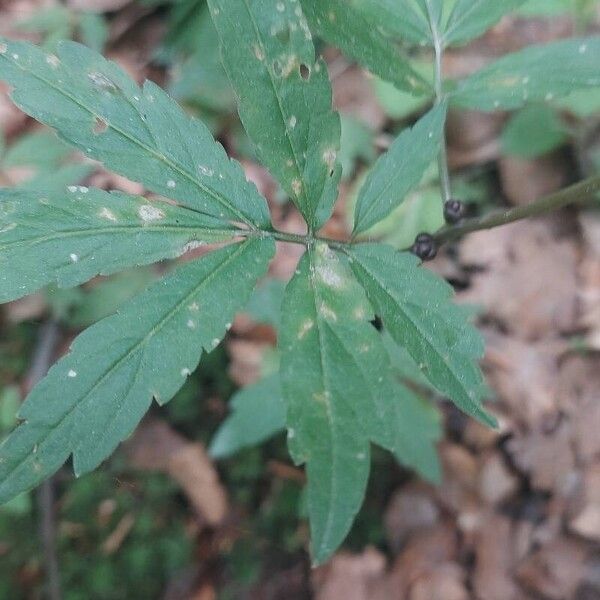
(425, 247)
(454, 211)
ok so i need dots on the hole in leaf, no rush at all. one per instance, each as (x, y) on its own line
(377, 323)
(100, 125)
(304, 71)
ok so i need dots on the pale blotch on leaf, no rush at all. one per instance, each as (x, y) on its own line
(215, 342)
(171, 184)
(359, 313)
(72, 374)
(150, 213)
(74, 258)
(258, 52)
(208, 172)
(8, 227)
(322, 397)
(106, 213)
(101, 81)
(53, 60)
(191, 324)
(3, 48)
(297, 186)
(194, 306)
(192, 245)
(330, 276)
(185, 372)
(327, 312)
(292, 122)
(329, 157)
(280, 6)
(305, 328)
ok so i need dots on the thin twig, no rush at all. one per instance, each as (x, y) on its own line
(42, 358)
(583, 191)
(439, 98)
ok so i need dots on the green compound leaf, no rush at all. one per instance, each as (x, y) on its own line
(398, 170)
(140, 133)
(471, 18)
(354, 28)
(284, 98)
(537, 73)
(68, 237)
(340, 394)
(415, 307)
(258, 413)
(94, 397)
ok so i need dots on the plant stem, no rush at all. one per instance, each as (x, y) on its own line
(580, 192)
(439, 97)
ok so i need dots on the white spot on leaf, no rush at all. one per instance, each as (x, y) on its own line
(106, 213)
(102, 81)
(258, 52)
(171, 184)
(52, 60)
(74, 257)
(72, 373)
(297, 186)
(150, 213)
(192, 245)
(327, 312)
(305, 328)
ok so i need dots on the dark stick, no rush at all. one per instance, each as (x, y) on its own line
(42, 358)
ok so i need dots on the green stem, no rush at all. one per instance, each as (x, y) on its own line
(291, 238)
(580, 192)
(439, 97)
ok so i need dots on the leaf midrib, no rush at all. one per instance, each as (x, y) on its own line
(29, 242)
(334, 459)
